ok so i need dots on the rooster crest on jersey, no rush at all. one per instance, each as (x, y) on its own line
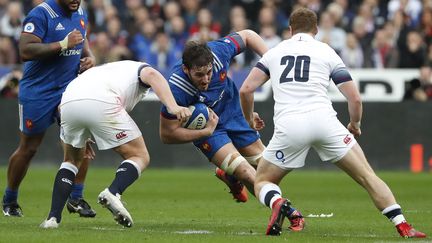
(199, 117)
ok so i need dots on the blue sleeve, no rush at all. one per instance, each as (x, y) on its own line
(35, 23)
(340, 75)
(227, 47)
(180, 97)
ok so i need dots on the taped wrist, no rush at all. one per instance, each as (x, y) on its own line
(64, 43)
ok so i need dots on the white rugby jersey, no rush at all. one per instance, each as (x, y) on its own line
(300, 70)
(114, 83)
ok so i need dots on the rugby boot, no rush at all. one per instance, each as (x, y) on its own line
(237, 189)
(81, 207)
(407, 231)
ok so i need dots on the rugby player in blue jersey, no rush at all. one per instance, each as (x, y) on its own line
(227, 140)
(54, 49)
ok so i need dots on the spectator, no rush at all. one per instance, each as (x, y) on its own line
(178, 33)
(420, 89)
(329, 33)
(364, 38)
(11, 21)
(413, 52)
(411, 8)
(171, 10)
(352, 53)
(425, 27)
(190, 8)
(9, 83)
(163, 54)
(385, 55)
(8, 51)
(141, 41)
(205, 20)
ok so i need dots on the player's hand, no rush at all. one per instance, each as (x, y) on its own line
(74, 38)
(257, 123)
(354, 129)
(89, 152)
(212, 122)
(86, 63)
(182, 113)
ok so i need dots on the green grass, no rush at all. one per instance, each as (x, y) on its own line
(167, 204)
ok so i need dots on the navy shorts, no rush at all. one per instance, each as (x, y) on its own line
(236, 131)
(36, 116)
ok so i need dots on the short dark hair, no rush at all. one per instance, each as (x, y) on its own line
(303, 20)
(197, 54)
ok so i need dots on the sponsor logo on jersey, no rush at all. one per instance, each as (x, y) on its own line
(67, 53)
(29, 123)
(29, 28)
(59, 27)
(82, 23)
(121, 170)
(66, 180)
(226, 40)
(121, 135)
(347, 139)
(206, 146)
(222, 76)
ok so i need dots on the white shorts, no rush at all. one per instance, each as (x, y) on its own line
(110, 124)
(295, 135)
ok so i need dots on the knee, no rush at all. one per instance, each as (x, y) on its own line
(235, 164)
(27, 150)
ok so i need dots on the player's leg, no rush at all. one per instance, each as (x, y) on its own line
(135, 159)
(63, 184)
(233, 163)
(268, 192)
(354, 163)
(76, 202)
(19, 163)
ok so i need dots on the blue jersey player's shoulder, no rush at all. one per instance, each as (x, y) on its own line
(36, 21)
(183, 91)
(226, 48)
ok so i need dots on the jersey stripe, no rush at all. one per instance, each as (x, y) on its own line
(217, 62)
(181, 86)
(191, 87)
(50, 11)
(80, 11)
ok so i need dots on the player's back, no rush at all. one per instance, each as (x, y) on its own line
(300, 70)
(113, 83)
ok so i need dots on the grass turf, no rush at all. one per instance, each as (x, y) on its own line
(193, 206)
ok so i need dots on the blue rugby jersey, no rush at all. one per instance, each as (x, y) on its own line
(47, 78)
(222, 94)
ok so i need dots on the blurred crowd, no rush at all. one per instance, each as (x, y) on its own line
(365, 33)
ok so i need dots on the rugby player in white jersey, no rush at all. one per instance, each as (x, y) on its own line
(96, 104)
(301, 69)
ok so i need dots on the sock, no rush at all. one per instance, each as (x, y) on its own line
(77, 191)
(126, 174)
(62, 189)
(394, 213)
(10, 195)
(269, 194)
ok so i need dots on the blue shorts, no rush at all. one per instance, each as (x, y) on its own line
(236, 131)
(36, 116)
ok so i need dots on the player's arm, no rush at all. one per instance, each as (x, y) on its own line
(171, 131)
(255, 79)
(355, 107)
(32, 48)
(158, 83)
(87, 58)
(253, 41)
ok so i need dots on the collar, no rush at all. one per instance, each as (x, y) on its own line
(302, 37)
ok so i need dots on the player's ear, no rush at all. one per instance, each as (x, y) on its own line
(185, 69)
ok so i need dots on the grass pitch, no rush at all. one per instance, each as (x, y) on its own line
(193, 206)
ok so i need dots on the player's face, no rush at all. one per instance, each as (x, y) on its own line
(200, 76)
(71, 5)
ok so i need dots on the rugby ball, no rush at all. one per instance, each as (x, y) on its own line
(199, 117)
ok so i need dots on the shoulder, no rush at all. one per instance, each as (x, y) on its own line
(180, 85)
(44, 9)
